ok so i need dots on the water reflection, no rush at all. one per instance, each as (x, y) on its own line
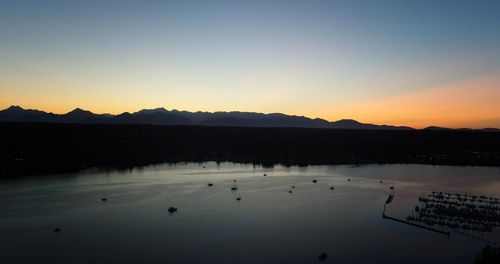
(267, 225)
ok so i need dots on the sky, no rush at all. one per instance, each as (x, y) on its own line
(414, 63)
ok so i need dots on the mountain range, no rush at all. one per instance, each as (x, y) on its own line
(161, 116)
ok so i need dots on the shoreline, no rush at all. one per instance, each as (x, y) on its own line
(40, 149)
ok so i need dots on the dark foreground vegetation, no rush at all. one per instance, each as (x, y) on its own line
(29, 149)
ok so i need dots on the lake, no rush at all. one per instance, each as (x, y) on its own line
(268, 225)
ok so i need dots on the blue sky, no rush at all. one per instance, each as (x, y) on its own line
(330, 59)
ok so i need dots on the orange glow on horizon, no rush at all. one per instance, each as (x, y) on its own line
(471, 103)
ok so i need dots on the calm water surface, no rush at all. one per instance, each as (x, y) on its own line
(268, 225)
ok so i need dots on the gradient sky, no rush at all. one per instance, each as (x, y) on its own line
(415, 63)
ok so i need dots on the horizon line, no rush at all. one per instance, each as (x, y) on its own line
(238, 111)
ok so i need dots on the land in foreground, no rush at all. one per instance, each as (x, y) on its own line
(31, 149)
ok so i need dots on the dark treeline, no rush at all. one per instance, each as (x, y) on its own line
(29, 149)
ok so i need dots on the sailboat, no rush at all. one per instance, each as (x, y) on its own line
(57, 229)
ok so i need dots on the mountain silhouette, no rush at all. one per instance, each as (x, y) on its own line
(150, 117)
(77, 116)
(162, 116)
(18, 114)
(353, 124)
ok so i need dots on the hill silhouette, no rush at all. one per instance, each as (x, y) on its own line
(162, 116)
